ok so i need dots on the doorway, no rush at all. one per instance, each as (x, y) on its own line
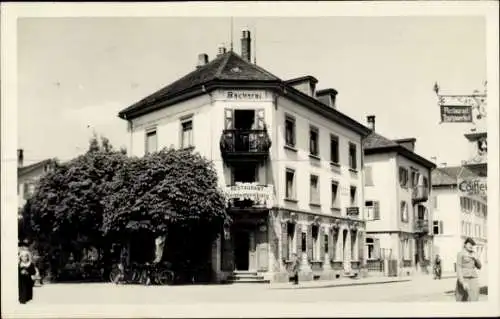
(244, 119)
(241, 249)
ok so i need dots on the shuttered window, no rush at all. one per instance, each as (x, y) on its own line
(368, 176)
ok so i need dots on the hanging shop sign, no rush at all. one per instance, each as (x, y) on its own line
(456, 114)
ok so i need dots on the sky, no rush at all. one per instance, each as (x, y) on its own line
(76, 74)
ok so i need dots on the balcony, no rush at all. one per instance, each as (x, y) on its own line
(352, 212)
(249, 195)
(420, 194)
(421, 226)
(245, 145)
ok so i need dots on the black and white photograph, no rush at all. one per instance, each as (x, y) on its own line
(249, 159)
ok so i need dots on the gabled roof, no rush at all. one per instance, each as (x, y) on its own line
(226, 67)
(23, 170)
(229, 70)
(376, 144)
(445, 176)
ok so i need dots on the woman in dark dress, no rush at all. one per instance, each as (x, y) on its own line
(27, 273)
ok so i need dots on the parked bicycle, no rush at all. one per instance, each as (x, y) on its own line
(145, 274)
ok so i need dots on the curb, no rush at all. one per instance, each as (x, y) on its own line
(331, 285)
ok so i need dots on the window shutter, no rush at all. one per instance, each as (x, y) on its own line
(309, 242)
(228, 119)
(322, 243)
(376, 210)
(441, 227)
(260, 117)
(361, 246)
(376, 248)
(284, 241)
(298, 240)
(368, 176)
(331, 244)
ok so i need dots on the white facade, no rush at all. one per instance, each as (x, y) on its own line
(392, 216)
(456, 217)
(207, 115)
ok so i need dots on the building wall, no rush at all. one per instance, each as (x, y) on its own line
(450, 239)
(30, 179)
(384, 190)
(304, 166)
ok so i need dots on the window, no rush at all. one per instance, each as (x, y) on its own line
(435, 202)
(372, 210)
(290, 184)
(315, 243)
(151, 141)
(334, 149)
(313, 141)
(335, 197)
(325, 240)
(426, 182)
(437, 227)
(353, 163)
(403, 177)
(369, 176)
(404, 212)
(353, 196)
(373, 248)
(291, 240)
(26, 190)
(289, 131)
(187, 134)
(414, 178)
(314, 190)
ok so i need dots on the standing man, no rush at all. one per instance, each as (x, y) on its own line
(437, 267)
(295, 269)
(468, 265)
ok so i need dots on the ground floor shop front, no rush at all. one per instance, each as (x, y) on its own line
(410, 253)
(262, 243)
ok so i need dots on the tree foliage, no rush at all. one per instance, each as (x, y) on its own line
(163, 189)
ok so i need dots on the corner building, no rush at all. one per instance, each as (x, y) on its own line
(288, 160)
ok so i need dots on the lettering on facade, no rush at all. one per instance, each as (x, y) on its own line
(473, 187)
(260, 195)
(244, 95)
(456, 114)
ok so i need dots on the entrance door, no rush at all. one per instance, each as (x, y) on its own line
(241, 250)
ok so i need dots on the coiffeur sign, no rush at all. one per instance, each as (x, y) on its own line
(473, 187)
(456, 114)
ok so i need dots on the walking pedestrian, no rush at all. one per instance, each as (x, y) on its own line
(26, 276)
(295, 269)
(468, 265)
(437, 267)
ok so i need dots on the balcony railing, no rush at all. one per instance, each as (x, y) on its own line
(249, 195)
(352, 212)
(420, 194)
(421, 226)
(249, 144)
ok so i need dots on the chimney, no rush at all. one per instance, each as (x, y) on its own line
(327, 97)
(202, 60)
(221, 49)
(370, 119)
(20, 157)
(245, 45)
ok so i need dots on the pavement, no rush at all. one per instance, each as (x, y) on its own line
(371, 289)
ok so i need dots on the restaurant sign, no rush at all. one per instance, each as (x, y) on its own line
(260, 195)
(456, 114)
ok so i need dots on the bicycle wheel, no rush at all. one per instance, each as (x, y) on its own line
(114, 275)
(165, 277)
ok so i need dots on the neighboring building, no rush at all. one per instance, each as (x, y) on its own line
(290, 162)
(459, 212)
(398, 212)
(28, 176)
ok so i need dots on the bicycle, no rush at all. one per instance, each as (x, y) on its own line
(128, 274)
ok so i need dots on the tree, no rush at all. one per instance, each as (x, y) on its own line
(66, 208)
(170, 192)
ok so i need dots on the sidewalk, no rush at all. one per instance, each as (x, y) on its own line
(343, 282)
